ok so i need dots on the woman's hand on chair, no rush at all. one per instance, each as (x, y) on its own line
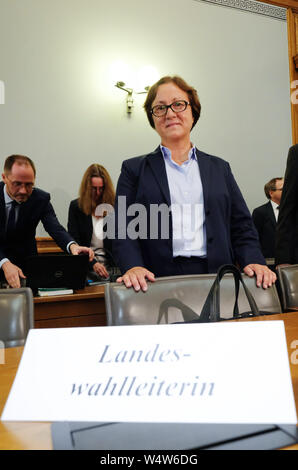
(136, 278)
(100, 269)
(264, 276)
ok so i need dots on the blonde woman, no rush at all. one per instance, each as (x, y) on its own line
(84, 223)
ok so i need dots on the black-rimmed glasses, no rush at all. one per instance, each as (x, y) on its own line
(162, 109)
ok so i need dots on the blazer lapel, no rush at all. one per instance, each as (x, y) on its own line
(157, 164)
(204, 167)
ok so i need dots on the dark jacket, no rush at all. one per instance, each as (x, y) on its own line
(286, 250)
(22, 243)
(231, 235)
(80, 227)
(265, 223)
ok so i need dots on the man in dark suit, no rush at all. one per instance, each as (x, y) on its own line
(286, 250)
(22, 207)
(265, 216)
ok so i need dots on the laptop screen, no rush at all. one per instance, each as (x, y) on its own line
(56, 271)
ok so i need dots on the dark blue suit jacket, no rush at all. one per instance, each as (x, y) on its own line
(286, 250)
(22, 243)
(231, 235)
(265, 223)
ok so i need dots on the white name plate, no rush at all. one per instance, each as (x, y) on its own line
(209, 373)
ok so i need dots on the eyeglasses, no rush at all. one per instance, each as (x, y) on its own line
(162, 109)
(279, 189)
(18, 185)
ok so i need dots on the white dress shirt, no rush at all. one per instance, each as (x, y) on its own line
(275, 209)
(187, 205)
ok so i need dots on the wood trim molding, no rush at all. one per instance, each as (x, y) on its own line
(282, 3)
(292, 20)
(46, 245)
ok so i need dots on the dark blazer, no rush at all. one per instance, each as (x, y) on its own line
(22, 243)
(231, 235)
(265, 223)
(80, 227)
(286, 250)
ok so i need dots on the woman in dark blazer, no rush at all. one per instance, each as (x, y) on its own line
(84, 221)
(209, 223)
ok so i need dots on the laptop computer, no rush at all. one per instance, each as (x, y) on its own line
(56, 271)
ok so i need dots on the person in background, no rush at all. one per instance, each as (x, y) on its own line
(87, 225)
(22, 207)
(286, 248)
(209, 223)
(265, 216)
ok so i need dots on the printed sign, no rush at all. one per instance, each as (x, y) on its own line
(206, 373)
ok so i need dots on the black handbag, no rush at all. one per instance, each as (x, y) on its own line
(211, 308)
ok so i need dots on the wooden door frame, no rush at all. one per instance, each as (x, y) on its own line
(292, 22)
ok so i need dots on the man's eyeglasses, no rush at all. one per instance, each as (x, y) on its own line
(18, 185)
(162, 109)
(278, 189)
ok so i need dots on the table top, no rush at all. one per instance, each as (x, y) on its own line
(24, 435)
(88, 292)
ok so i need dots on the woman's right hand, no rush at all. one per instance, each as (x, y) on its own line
(100, 269)
(136, 278)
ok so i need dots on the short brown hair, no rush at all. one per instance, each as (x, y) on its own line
(180, 83)
(21, 160)
(271, 186)
(86, 202)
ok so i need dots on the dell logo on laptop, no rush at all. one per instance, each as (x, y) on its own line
(58, 274)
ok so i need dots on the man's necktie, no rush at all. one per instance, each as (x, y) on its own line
(11, 223)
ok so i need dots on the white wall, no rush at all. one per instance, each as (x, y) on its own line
(63, 110)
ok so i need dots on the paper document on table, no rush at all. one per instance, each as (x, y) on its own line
(228, 372)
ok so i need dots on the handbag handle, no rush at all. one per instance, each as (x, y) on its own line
(211, 307)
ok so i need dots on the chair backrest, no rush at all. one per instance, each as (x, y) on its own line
(127, 307)
(288, 280)
(16, 315)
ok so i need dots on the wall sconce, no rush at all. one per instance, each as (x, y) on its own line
(129, 98)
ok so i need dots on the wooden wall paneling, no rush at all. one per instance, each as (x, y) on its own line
(292, 19)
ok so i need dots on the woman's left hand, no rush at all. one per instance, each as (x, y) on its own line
(100, 270)
(265, 277)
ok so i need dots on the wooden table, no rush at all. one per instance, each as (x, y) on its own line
(86, 307)
(20, 435)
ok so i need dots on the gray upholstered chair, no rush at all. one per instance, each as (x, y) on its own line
(288, 281)
(16, 316)
(127, 307)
